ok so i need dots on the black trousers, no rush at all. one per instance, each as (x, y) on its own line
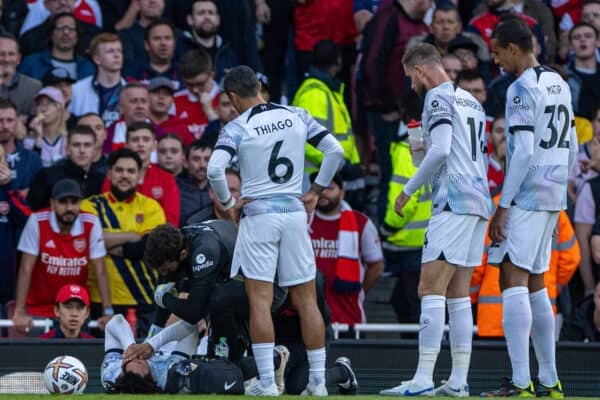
(229, 315)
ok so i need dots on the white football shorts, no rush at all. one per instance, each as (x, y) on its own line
(275, 243)
(528, 243)
(458, 239)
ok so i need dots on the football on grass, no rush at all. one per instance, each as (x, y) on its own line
(65, 375)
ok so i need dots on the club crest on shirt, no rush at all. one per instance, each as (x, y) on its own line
(157, 192)
(435, 104)
(516, 100)
(79, 244)
(139, 218)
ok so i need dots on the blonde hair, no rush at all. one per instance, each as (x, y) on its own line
(422, 54)
(104, 37)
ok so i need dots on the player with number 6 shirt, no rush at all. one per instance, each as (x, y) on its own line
(455, 165)
(269, 141)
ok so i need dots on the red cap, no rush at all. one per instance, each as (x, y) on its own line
(69, 292)
(413, 124)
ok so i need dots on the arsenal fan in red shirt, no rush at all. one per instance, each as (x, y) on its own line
(72, 309)
(57, 245)
(196, 104)
(348, 254)
(154, 182)
(162, 111)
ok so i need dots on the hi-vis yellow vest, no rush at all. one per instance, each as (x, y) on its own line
(408, 232)
(329, 109)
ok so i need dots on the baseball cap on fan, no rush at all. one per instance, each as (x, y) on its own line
(56, 76)
(72, 291)
(66, 188)
(160, 82)
(53, 94)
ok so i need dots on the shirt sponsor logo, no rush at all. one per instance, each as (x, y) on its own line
(518, 104)
(63, 266)
(201, 263)
(325, 248)
(50, 244)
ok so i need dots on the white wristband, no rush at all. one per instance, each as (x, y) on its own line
(229, 203)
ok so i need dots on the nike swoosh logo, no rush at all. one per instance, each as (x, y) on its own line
(409, 393)
(229, 385)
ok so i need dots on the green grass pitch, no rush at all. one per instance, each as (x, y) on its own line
(196, 397)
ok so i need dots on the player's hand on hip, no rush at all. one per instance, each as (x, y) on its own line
(162, 290)
(22, 322)
(310, 200)
(497, 225)
(235, 212)
(401, 201)
(141, 351)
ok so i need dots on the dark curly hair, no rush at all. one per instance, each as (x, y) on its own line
(130, 382)
(164, 243)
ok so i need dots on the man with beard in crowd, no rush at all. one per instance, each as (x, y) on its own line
(58, 245)
(125, 216)
(204, 21)
(348, 253)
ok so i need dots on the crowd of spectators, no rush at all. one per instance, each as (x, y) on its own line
(124, 99)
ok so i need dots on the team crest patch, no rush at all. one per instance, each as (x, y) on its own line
(435, 104)
(157, 192)
(139, 218)
(79, 244)
(517, 100)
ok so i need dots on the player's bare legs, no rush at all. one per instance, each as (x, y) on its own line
(260, 298)
(304, 300)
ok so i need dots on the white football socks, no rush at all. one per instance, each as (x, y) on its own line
(263, 357)
(316, 366)
(118, 334)
(430, 337)
(542, 335)
(460, 320)
(516, 320)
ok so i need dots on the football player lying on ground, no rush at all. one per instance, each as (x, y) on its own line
(134, 375)
(173, 251)
(172, 372)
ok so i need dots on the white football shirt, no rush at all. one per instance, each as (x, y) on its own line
(539, 101)
(460, 183)
(269, 140)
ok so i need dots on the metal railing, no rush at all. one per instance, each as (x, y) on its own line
(46, 324)
(372, 327)
(337, 328)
